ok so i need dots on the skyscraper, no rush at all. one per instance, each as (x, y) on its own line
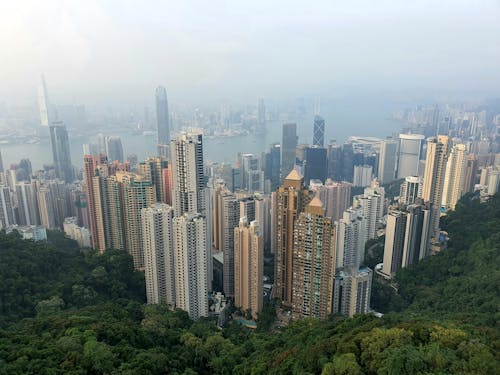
(411, 190)
(6, 208)
(288, 148)
(229, 216)
(92, 167)
(334, 162)
(188, 178)
(60, 151)
(435, 168)
(363, 175)
(272, 162)
(387, 161)
(251, 173)
(44, 106)
(315, 164)
(372, 205)
(114, 148)
(158, 245)
(138, 193)
(313, 263)
(248, 266)
(394, 242)
(27, 204)
(338, 198)
(190, 257)
(291, 199)
(351, 239)
(352, 292)
(454, 177)
(319, 131)
(410, 147)
(162, 116)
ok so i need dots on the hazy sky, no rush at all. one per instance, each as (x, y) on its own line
(114, 51)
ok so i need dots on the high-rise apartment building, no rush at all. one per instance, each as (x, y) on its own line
(191, 266)
(6, 208)
(471, 170)
(288, 149)
(394, 242)
(319, 131)
(137, 193)
(158, 243)
(352, 292)
(337, 198)
(410, 148)
(435, 168)
(60, 152)
(91, 170)
(371, 203)
(248, 266)
(229, 211)
(363, 175)
(313, 263)
(252, 175)
(27, 204)
(188, 190)
(350, 239)
(387, 161)
(454, 178)
(162, 116)
(411, 190)
(291, 199)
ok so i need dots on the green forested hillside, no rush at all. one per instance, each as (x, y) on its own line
(70, 312)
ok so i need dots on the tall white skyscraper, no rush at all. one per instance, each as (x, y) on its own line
(410, 147)
(157, 238)
(191, 266)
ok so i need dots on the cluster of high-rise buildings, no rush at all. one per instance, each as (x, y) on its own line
(198, 230)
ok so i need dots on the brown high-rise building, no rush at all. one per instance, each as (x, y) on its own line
(313, 263)
(248, 266)
(291, 199)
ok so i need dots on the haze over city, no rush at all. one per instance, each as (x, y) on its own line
(116, 52)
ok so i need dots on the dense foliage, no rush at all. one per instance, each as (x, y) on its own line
(72, 312)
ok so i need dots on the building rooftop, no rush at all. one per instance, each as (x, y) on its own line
(294, 175)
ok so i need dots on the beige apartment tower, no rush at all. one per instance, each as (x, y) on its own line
(248, 266)
(434, 176)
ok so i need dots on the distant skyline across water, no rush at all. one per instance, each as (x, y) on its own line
(344, 118)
